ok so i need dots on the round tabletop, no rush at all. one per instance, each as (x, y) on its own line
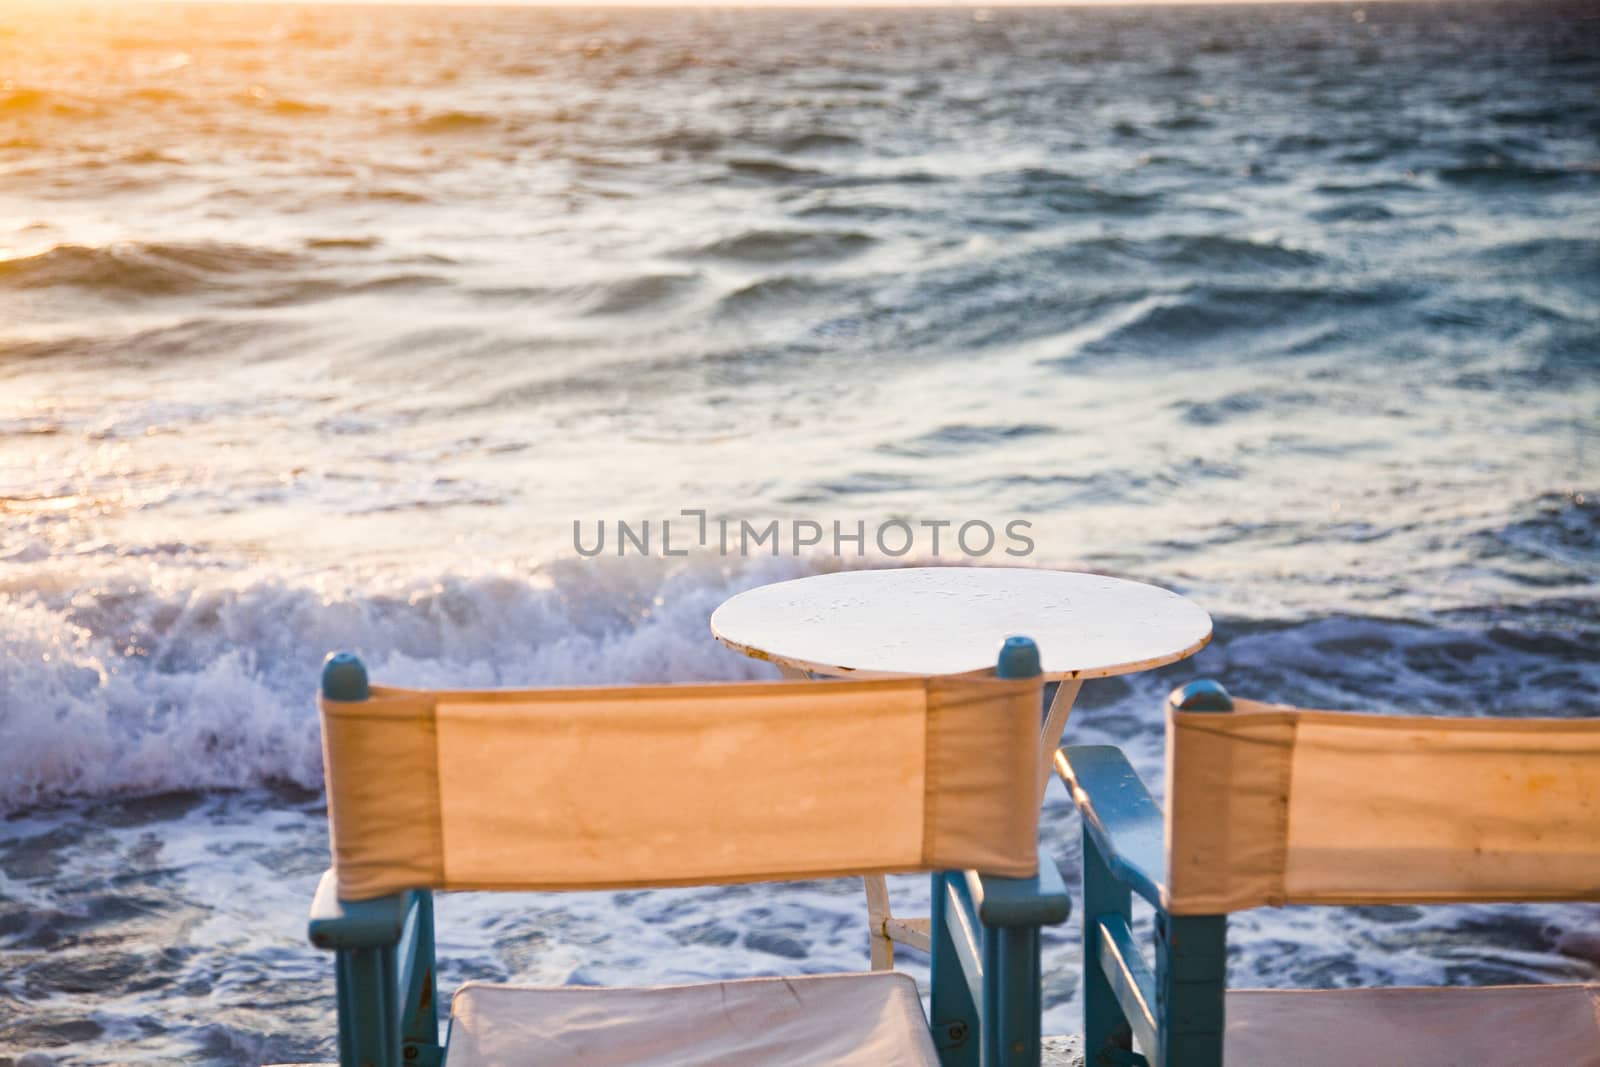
(948, 620)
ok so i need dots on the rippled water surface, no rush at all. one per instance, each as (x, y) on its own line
(319, 327)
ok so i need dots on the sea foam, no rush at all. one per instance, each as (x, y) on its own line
(147, 680)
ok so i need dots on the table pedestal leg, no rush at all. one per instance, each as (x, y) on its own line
(878, 940)
(1054, 723)
(879, 921)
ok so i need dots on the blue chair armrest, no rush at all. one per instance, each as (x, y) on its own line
(1038, 901)
(336, 923)
(1118, 815)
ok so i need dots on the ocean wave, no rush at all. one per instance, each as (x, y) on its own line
(815, 141)
(627, 295)
(774, 171)
(1064, 193)
(143, 268)
(1208, 252)
(1359, 211)
(352, 243)
(1498, 171)
(257, 97)
(1295, 320)
(1575, 257)
(386, 194)
(688, 142)
(778, 246)
(453, 121)
(124, 684)
(1563, 528)
(1244, 404)
(772, 294)
(311, 290)
(1379, 188)
(22, 100)
(1467, 663)
(619, 296)
(148, 156)
(197, 337)
(1048, 488)
(163, 678)
(957, 438)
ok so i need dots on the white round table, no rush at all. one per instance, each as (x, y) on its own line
(949, 620)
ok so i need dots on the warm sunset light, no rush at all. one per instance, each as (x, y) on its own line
(749, 532)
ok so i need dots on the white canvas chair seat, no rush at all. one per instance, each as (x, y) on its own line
(1456, 1026)
(842, 1020)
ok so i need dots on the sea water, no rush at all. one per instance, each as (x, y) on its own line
(321, 328)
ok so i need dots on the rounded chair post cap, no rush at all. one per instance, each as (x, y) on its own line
(344, 677)
(1201, 695)
(1019, 658)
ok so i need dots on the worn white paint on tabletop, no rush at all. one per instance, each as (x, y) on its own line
(947, 620)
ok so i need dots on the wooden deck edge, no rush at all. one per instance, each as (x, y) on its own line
(1062, 1052)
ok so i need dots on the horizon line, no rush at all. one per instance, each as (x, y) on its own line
(758, 5)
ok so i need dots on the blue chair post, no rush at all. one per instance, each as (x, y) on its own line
(384, 954)
(986, 998)
(953, 1007)
(1107, 1037)
(1174, 1014)
(1192, 950)
(1011, 953)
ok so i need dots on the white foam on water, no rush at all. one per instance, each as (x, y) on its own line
(142, 680)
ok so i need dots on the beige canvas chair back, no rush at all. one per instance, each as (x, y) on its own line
(598, 788)
(1278, 805)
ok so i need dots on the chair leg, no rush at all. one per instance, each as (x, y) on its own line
(952, 1010)
(1191, 988)
(1107, 1039)
(419, 1013)
(1012, 1001)
(369, 1027)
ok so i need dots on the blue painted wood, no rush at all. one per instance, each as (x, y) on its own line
(376, 945)
(385, 973)
(1010, 912)
(1131, 981)
(1191, 985)
(1011, 1019)
(1177, 1014)
(336, 923)
(1019, 658)
(1038, 901)
(1201, 695)
(369, 1024)
(419, 1014)
(1107, 1036)
(957, 974)
(993, 1005)
(344, 677)
(1120, 816)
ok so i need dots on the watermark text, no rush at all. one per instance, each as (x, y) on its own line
(693, 530)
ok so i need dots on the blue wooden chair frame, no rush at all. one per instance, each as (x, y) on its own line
(986, 1002)
(1175, 1012)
